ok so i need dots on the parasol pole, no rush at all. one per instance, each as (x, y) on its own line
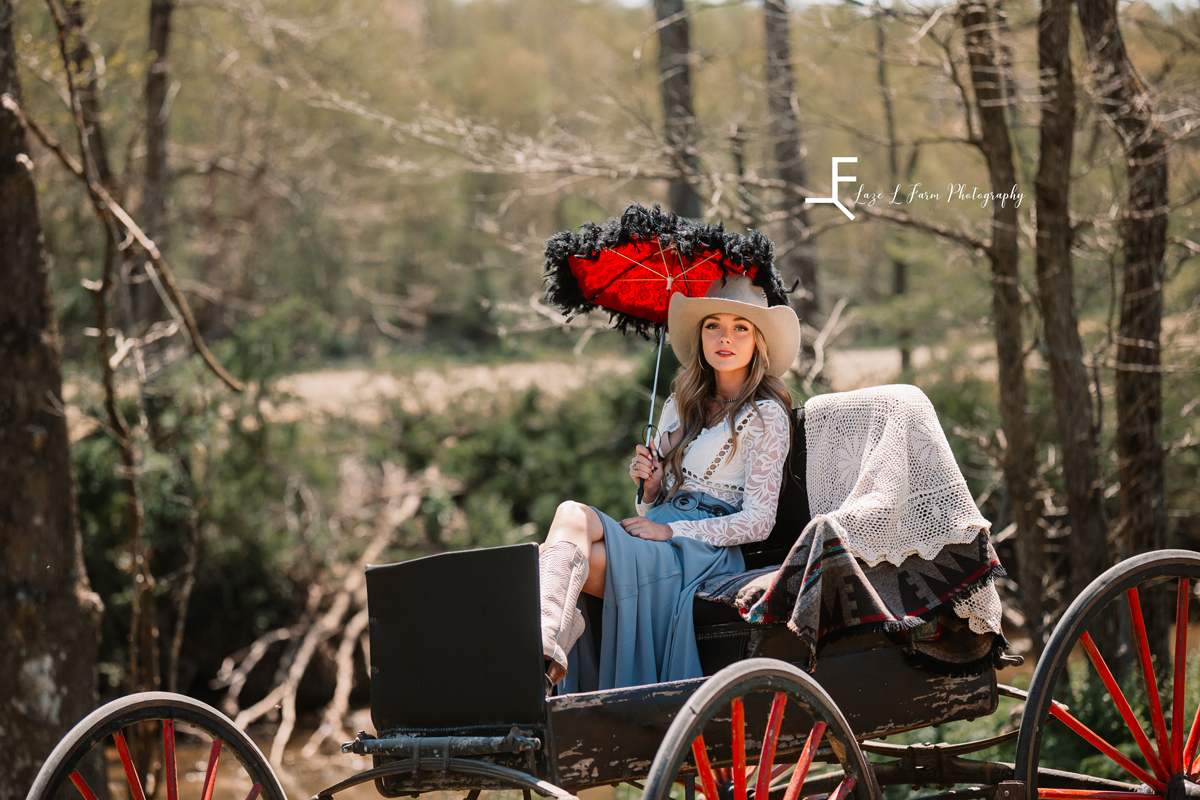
(653, 397)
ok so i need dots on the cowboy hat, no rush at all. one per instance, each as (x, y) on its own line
(736, 294)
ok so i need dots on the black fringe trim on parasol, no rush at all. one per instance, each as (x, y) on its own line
(640, 224)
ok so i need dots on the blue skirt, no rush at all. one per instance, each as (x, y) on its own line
(647, 635)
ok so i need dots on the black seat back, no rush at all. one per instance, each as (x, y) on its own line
(793, 513)
(455, 640)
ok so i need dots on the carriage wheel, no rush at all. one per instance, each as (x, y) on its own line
(743, 707)
(1102, 704)
(191, 750)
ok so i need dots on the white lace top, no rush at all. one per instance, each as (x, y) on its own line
(747, 477)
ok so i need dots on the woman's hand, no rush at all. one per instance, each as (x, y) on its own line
(646, 529)
(646, 466)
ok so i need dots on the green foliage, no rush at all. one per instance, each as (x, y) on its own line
(211, 476)
(945, 291)
(1088, 700)
(290, 334)
(512, 461)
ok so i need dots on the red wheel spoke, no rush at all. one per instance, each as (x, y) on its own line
(843, 788)
(1086, 794)
(1193, 739)
(739, 749)
(1143, 649)
(722, 776)
(82, 786)
(796, 784)
(169, 752)
(1122, 704)
(708, 781)
(770, 740)
(135, 783)
(254, 791)
(210, 776)
(1060, 712)
(1181, 632)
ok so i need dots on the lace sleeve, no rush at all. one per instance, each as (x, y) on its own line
(668, 421)
(766, 450)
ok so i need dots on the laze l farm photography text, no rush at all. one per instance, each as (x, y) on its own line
(953, 192)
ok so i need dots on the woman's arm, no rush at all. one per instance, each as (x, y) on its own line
(766, 452)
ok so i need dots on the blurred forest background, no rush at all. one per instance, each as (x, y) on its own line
(351, 197)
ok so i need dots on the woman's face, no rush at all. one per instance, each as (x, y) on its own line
(727, 342)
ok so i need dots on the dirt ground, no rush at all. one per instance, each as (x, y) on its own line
(363, 394)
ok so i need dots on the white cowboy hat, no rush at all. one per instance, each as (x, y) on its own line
(736, 294)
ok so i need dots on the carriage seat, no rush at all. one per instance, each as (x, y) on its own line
(707, 614)
(723, 637)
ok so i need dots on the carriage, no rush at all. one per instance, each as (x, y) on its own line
(459, 705)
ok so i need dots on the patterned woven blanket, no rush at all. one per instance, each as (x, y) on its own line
(824, 593)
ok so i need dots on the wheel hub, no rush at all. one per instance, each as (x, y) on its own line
(1180, 788)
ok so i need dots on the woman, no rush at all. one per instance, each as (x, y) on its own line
(712, 483)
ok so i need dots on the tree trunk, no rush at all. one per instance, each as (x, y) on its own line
(1019, 462)
(1088, 537)
(799, 260)
(899, 266)
(679, 118)
(48, 639)
(87, 91)
(1125, 104)
(147, 305)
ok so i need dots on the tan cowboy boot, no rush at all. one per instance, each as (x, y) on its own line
(562, 568)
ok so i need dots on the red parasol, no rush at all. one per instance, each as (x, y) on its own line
(632, 266)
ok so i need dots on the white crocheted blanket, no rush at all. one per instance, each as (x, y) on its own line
(881, 473)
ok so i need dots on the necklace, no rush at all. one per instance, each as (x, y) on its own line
(723, 400)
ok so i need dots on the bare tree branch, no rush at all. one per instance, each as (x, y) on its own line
(973, 243)
(106, 203)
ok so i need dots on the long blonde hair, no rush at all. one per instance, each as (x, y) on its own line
(696, 383)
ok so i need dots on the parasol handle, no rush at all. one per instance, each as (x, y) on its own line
(653, 396)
